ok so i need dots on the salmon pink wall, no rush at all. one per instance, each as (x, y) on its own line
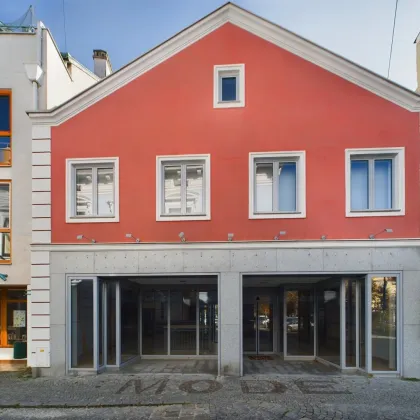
(291, 104)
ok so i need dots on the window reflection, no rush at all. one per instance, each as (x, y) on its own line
(384, 323)
(84, 203)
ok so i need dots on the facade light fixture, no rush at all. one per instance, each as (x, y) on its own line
(386, 230)
(324, 237)
(281, 233)
(130, 235)
(230, 237)
(80, 237)
(182, 236)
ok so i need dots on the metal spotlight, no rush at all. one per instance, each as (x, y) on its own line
(324, 237)
(230, 237)
(130, 235)
(281, 233)
(181, 236)
(80, 237)
(374, 235)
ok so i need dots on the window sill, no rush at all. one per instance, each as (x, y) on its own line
(178, 217)
(93, 220)
(291, 215)
(229, 104)
(375, 213)
(5, 262)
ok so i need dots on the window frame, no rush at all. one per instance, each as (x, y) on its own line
(293, 156)
(224, 71)
(7, 92)
(161, 162)
(80, 163)
(397, 154)
(9, 229)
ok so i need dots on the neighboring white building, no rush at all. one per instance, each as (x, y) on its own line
(33, 75)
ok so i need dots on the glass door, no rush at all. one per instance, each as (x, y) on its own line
(299, 323)
(258, 325)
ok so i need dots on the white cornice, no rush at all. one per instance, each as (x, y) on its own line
(249, 22)
(232, 246)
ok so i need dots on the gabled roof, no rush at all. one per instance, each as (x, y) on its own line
(252, 23)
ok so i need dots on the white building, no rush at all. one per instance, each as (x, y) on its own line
(34, 75)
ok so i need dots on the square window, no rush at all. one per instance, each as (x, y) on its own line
(92, 190)
(229, 86)
(277, 185)
(375, 182)
(183, 187)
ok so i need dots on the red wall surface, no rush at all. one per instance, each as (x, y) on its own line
(291, 104)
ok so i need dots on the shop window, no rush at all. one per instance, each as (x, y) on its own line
(5, 127)
(13, 317)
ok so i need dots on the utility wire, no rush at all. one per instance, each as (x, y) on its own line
(392, 39)
(65, 31)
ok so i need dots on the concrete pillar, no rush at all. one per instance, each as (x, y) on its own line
(230, 330)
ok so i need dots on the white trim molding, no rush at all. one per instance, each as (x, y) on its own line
(182, 160)
(230, 70)
(71, 165)
(296, 156)
(397, 154)
(256, 25)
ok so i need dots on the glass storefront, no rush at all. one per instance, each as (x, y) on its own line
(114, 321)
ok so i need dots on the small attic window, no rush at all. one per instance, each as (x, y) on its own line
(229, 86)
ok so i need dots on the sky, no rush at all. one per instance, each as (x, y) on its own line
(359, 30)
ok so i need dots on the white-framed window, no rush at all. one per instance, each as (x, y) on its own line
(183, 187)
(92, 192)
(229, 86)
(277, 185)
(375, 182)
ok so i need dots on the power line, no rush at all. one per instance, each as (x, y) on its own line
(65, 31)
(392, 39)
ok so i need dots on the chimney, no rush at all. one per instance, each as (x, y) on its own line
(417, 42)
(101, 64)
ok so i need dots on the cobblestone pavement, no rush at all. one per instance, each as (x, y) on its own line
(205, 397)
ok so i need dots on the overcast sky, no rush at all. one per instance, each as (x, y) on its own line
(356, 29)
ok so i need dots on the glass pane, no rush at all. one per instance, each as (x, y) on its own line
(129, 324)
(16, 294)
(383, 184)
(229, 89)
(172, 190)
(264, 187)
(16, 322)
(82, 323)
(105, 197)
(287, 186)
(111, 324)
(359, 184)
(300, 322)
(5, 151)
(329, 321)
(4, 113)
(84, 203)
(208, 319)
(350, 290)
(249, 327)
(183, 322)
(265, 324)
(5, 205)
(5, 246)
(155, 322)
(362, 317)
(384, 323)
(195, 189)
(100, 323)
